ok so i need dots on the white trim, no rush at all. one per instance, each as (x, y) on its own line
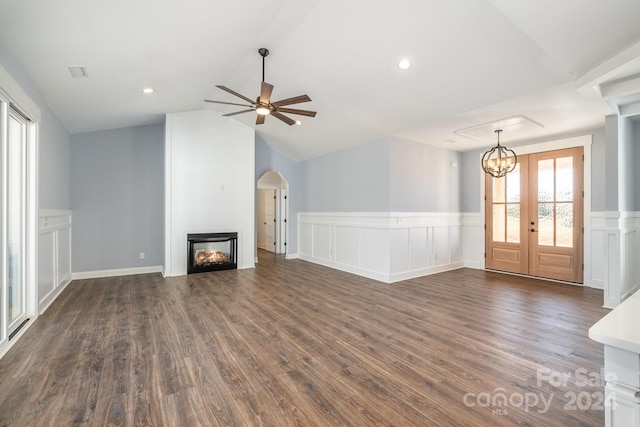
(116, 272)
(6, 346)
(53, 213)
(168, 212)
(11, 93)
(18, 97)
(291, 256)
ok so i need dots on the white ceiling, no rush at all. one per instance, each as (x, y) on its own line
(474, 61)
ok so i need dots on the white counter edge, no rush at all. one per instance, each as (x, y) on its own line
(619, 328)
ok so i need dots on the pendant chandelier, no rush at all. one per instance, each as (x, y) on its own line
(499, 161)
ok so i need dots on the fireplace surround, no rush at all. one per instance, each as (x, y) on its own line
(211, 252)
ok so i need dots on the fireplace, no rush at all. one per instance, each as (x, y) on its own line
(211, 252)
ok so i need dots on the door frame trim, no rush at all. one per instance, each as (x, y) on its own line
(584, 141)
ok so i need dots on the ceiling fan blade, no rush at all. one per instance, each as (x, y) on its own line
(233, 92)
(265, 92)
(237, 112)
(284, 118)
(260, 119)
(227, 103)
(296, 111)
(294, 100)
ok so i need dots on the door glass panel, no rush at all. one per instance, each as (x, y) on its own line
(564, 179)
(498, 190)
(545, 180)
(564, 225)
(15, 215)
(513, 185)
(498, 222)
(513, 223)
(545, 224)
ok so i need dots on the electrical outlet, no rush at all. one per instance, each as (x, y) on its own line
(141, 255)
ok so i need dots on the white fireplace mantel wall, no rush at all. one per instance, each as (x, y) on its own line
(209, 184)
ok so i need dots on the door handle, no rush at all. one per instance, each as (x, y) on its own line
(533, 230)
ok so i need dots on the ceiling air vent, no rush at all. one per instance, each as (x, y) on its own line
(78, 71)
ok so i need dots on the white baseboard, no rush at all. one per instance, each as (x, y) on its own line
(347, 269)
(474, 265)
(291, 256)
(47, 300)
(398, 277)
(117, 272)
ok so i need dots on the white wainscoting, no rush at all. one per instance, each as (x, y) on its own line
(615, 252)
(385, 246)
(54, 255)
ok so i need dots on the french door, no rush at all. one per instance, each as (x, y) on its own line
(534, 217)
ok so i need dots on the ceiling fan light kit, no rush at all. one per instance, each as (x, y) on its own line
(263, 105)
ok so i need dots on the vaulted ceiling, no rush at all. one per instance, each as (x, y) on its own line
(473, 62)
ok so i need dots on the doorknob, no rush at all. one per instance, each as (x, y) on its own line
(533, 230)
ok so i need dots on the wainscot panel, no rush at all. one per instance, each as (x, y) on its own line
(54, 255)
(615, 248)
(384, 246)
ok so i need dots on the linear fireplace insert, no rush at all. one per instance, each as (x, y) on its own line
(211, 252)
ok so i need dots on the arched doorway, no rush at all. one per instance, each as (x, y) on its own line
(272, 211)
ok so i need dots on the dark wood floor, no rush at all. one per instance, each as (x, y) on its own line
(293, 343)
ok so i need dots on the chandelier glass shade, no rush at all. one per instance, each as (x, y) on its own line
(499, 160)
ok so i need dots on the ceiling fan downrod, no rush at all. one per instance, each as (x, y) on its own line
(264, 52)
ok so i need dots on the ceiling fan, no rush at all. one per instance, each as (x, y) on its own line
(263, 105)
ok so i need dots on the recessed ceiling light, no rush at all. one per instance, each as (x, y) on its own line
(404, 64)
(147, 90)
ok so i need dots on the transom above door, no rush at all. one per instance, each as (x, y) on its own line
(534, 217)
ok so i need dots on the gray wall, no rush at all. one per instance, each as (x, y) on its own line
(54, 159)
(611, 163)
(599, 171)
(626, 161)
(117, 198)
(268, 159)
(352, 180)
(422, 178)
(386, 175)
(472, 181)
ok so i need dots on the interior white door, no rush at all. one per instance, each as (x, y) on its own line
(270, 220)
